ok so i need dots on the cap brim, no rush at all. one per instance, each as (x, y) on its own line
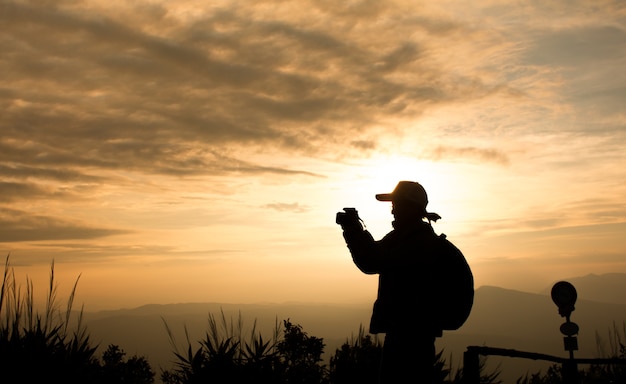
(384, 197)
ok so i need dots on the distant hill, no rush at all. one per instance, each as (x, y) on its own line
(501, 318)
(142, 330)
(605, 288)
(530, 322)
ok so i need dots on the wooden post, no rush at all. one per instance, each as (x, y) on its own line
(570, 372)
(471, 366)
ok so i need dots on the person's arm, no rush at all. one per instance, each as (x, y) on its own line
(365, 251)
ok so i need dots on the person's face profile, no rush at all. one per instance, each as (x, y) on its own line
(402, 210)
(399, 208)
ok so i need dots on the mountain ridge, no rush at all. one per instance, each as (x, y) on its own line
(501, 317)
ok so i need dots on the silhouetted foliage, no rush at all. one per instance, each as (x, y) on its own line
(220, 356)
(553, 375)
(134, 370)
(261, 358)
(293, 358)
(290, 357)
(300, 356)
(611, 373)
(40, 348)
(357, 360)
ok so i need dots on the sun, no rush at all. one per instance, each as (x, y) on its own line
(380, 174)
(385, 171)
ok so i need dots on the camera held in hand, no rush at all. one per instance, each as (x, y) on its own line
(349, 218)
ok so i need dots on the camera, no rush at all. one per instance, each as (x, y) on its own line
(348, 218)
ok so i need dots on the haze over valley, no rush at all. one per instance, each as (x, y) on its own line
(501, 318)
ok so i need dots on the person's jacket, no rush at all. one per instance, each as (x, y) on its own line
(404, 261)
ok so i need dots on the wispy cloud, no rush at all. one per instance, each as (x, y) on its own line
(18, 226)
(288, 207)
(480, 154)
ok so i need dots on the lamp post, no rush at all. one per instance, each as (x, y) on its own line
(564, 296)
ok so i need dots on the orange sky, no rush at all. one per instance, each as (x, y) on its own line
(198, 151)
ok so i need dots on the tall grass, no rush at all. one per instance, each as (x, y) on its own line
(38, 346)
(616, 342)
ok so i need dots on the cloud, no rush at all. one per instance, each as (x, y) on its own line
(22, 191)
(576, 45)
(79, 251)
(19, 226)
(43, 172)
(224, 79)
(288, 207)
(480, 154)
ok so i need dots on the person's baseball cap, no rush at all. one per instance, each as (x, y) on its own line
(409, 191)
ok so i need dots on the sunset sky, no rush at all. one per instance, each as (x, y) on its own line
(191, 151)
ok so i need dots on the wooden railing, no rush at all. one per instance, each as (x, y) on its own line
(471, 370)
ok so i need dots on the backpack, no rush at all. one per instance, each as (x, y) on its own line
(454, 285)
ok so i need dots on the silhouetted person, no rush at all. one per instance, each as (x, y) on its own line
(404, 307)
